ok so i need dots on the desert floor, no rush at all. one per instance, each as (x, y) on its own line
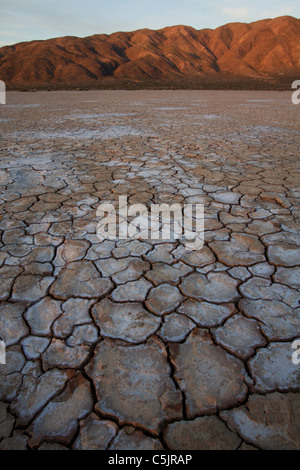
(141, 344)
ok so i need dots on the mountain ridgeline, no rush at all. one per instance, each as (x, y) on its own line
(261, 54)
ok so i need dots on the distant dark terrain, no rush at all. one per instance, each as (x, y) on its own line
(260, 55)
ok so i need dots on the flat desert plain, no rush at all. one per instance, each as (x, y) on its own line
(137, 343)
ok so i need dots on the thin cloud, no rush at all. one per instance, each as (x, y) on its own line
(237, 13)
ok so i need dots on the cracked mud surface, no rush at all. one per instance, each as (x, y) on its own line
(139, 344)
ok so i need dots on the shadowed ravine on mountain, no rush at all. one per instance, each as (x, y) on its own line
(263, 54)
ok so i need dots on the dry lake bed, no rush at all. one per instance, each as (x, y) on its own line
(141, 344)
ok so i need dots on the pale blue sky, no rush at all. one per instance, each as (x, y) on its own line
(24, 20)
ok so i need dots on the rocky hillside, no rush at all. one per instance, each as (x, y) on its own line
(265, 49)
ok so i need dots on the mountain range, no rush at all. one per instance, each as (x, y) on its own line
(265, 51)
